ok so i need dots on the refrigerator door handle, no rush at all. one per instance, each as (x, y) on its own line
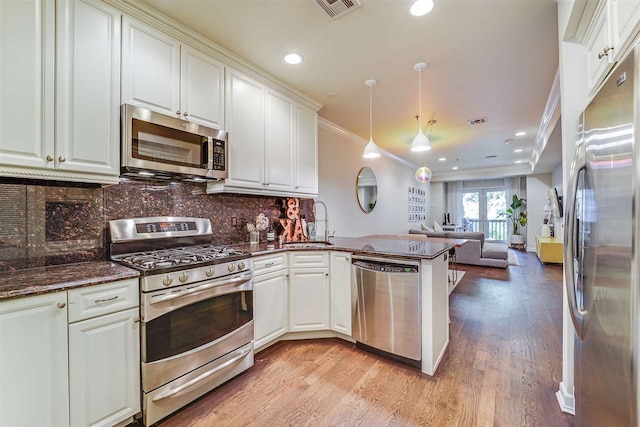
(579, 164)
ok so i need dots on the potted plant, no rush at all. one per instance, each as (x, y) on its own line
(517, 218)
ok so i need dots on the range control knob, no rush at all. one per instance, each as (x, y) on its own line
(209, 272)
(241, 265)
(167, 280)
(232, 267)
(183, 277)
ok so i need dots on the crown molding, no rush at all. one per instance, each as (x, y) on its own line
(352, 137)
(548, 122)
(482, 173)
(147, 14)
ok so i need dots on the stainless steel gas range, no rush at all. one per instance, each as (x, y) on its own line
(196, 308)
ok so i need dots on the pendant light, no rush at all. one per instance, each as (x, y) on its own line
(371, 151)
(420, 142)
(423, 174)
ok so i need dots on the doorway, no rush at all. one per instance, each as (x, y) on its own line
(481, 209)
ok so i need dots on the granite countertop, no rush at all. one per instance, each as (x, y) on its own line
(42, 280)
(409, 246)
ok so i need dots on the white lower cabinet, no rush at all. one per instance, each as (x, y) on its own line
(271, 308)
(104, 369)
(309, 292)
(33, 361)
(340, 274)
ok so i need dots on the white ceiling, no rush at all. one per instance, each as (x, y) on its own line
(493, 58)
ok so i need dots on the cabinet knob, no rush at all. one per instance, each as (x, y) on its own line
(326, 274)
(49, 158)
(136, 320)
(62, 304)
(186, 114)
(297, 187)
(605, 52)
(178, 113)
(61, 159)
(286, 275)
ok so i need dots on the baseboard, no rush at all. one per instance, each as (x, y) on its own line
(531, 249)
(435, 367)
(308, 335)
(566, 400)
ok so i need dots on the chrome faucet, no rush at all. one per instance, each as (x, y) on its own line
(325, 220)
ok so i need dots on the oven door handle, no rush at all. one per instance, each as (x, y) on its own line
(238, 280)
(173, 391)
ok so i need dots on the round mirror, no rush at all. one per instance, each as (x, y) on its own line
(367, 189)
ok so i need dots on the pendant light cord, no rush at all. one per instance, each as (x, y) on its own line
(370, 116)
(420, 99)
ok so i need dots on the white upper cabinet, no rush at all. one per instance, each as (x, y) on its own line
(273, 142)
(150, 68)
(600, 48)
(278, 142)
(88, 87)
(26, 83)
(163, 75)
(245, 125)
(306, 167)
(33, 361)
(627, 16)
(202, 88)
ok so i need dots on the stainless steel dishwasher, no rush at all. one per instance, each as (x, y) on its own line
(386, 313)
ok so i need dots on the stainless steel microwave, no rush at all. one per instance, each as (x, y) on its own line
(158, 146)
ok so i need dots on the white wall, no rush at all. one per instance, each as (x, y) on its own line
(537, 196)
(437, 203)
(339, 161)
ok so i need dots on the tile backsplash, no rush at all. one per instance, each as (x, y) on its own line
(44, 223)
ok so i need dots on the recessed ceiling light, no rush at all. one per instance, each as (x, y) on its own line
(521, 133)
(519, 161)
(455, 168)
(421, 7)
(442, 159)
(518, 150)
(293, 58)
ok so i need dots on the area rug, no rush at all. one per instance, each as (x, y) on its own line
(513, 258)
(452, 286)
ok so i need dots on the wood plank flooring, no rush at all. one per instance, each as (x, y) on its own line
(502, 368)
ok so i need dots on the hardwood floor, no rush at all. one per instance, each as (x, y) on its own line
(502, 368)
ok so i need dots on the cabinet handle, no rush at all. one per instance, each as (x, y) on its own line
(49, 158)
(103, 300)
(605, 52)
(136, 320)
(297, 187)
(61, 159)
(269, 264)
(62, 304)
(266, 183)
(186, 114)
(178, 113)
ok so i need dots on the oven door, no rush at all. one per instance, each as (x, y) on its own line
(156, 143)
(186, 327)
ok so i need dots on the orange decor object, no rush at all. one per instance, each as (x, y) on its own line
(294, 229)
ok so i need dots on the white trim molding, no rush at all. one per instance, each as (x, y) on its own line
(548, 122)
(352, 137)
(482, 173)
(566, 400)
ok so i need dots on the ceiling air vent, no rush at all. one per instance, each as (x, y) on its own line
(493, 156)
(337, 8)
(479, 121)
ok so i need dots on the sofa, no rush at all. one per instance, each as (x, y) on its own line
(475, 251)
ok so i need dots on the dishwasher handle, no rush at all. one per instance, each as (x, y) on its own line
(387, 268)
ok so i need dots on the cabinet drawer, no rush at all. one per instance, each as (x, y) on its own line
(306, 259)
(85, 303)
(268, 263)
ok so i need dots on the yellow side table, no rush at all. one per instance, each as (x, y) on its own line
(549, 249)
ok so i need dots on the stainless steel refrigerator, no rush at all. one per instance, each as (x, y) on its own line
(601, 259)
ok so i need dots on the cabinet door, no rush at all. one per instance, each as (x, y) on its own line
(150, 68)
(33, 361)
(278, 142)
(627, 16)
(597, 40)
(202, 88)
(271, 307)
(26, 82)
(306, 165)
(309, 292)
(341, 292)
(104, 369)
(245, 123)
(88, 87)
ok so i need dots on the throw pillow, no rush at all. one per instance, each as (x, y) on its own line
(426, 228)
(437, 227)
